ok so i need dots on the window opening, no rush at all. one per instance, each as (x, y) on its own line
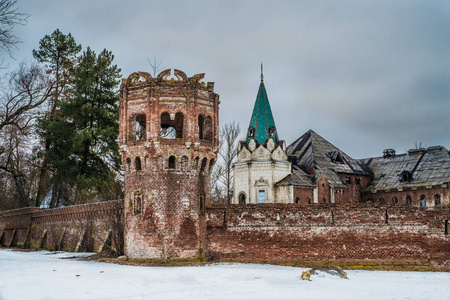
(251, 132)
(446, 226)
(204, 128)
(172, 126)
(261, 196)
(140, 127)
(394, 200)
(348, 180)
(137, 205)
(308, 201)
(172, 162)
(423, 202)
(358, 180)
(242, 198)
(297, 200)
(272, 131)
(202, 205)
(408, 200)
(137, 163)
(129, 163)
(406, 176)
(437, 200)
(382, 201)
(203, 167)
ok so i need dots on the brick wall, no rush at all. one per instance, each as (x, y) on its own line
(324, 232)
(81, 227)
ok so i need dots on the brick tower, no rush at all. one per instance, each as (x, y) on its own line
(169, 136)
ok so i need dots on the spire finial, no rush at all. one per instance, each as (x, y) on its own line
(262, 76)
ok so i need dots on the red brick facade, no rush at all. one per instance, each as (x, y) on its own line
(167, 177)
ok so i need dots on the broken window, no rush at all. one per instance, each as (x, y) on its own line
(358, 181)
(336, 157)
(172, 162)
(324, 201)
(205, 128)
(137, 205)
(242, 198)
(138, 127)
(348, 180)
(137, 163)
(408, 200)
(406, 176)
(394, 200)
(308, 200)
(382, 201)
(437, 200)
(423, 201)
(172, 125)
(297, 200)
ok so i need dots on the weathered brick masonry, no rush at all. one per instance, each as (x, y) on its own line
(74, 228)
(323, 232)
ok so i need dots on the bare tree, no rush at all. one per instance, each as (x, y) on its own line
(26, 90)
(22, 95)
(155, 65)
(228, 152)
(10, 16)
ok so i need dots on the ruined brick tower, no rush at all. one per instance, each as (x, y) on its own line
(169, 131)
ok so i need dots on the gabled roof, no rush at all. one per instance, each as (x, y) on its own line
(427, 167)
(298, 177)
(311, 151)
(262, 118)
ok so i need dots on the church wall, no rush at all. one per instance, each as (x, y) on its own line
(324, 232)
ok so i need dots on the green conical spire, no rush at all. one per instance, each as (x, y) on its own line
(262, 126)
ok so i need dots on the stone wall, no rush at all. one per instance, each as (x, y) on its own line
(325, 232)
(88, 227)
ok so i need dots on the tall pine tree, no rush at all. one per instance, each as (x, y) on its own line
(58, 53)
(92, 115)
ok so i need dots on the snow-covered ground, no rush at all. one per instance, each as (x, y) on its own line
(44, 275)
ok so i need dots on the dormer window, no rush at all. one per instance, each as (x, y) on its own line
(406, 176)
(251, 132)
(272, 131)
(336, 157)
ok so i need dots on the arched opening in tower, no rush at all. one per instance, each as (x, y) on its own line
(172, 125)
(204, 128)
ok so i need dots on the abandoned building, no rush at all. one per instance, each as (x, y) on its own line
(311, 170)
(305, 201)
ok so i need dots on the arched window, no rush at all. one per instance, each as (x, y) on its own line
(195, 164)
(308, 200)
(184, 163)
(408, 200)
(437, 200)
(129, 163)
(324, 201)
(211, 165)
(423, 201)
(137, 205)
(394, 200)
(137, 163)
(172, 162)
(251, 132)
(203, 167)
(297, 200)
(140, 127)
(242, 198)
(382, 201)
(172, 125)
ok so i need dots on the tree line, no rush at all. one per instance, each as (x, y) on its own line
(58, 122)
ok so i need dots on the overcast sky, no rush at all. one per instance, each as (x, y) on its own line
(365, 75)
